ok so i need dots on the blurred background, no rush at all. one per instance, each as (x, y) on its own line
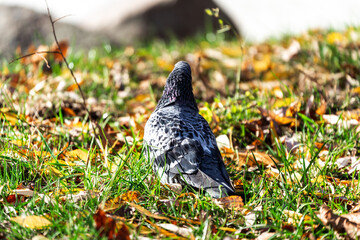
(23, 22)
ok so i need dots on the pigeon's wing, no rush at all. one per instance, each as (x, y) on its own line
(181, 164)
(213, 164)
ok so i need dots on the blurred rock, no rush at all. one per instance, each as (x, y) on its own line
(23, 27)
(165, 19)
(180, 19)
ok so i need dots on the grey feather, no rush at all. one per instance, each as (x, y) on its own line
(180, 141)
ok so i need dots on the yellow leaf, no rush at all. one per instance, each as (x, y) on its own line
(165, 64)
(254, 158)
(53, 171)
(6, 114)
(142, 97)
(17, 142)
(33, 222)
(232, 51)
(262, 64)
(77, 154)
(293, 109)
(355, 90)
(296, 217)
(130, 196)
(335, 38)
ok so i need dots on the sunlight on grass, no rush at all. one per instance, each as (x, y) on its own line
(291, 140)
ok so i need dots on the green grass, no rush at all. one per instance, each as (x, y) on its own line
(31, 150)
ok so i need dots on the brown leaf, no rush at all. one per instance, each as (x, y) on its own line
(107, 226)
(230, 202)
(147, 212)
(293, 109)
(339, 223)
(252, 159)
(322, 109)
(279, 119)
(183, 195)
(64, 46)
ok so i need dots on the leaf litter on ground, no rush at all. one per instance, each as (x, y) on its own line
(289, 139)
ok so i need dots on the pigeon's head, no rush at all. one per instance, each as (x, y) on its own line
(178, 88)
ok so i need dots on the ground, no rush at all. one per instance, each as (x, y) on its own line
(285, 113)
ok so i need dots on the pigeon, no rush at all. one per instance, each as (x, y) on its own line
(179, 140)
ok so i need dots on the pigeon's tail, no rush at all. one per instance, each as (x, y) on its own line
(201, 180)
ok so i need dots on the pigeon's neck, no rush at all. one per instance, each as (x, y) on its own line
(173, 95)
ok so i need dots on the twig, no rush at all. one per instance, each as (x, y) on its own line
(30, 54)
(104, 140)
(65, 60)
(62, 18)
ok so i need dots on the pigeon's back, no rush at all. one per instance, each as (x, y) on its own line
(181, 143)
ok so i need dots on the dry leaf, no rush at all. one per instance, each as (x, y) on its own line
(69, 111)
(252, 159)
(163, 231)
(147, 212)
(107, 226)
(24, 192)
(33, 222)
(230, 202)
(76, 155)
(130, 196)
(295, 217)
(8, 115)
(64, 46)
(39, 237)
(265, 236)
(185, 232)
(339, 223)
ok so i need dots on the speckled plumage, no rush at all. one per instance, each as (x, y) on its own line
(180, 141)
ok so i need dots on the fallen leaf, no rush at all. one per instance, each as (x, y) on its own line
(39, 237)
(339, 223)
(185, 232)
(266, 236)
(8, 115)
(107, 226)
(163, 231)
(252, 159)
(336, 38)
(76, 155)
(322, 109)
(230, 202)
(64, 46)
(69, 111)
(189, 194)
(33, 222)
(130, 196)
(147, 212)
(295, 217)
